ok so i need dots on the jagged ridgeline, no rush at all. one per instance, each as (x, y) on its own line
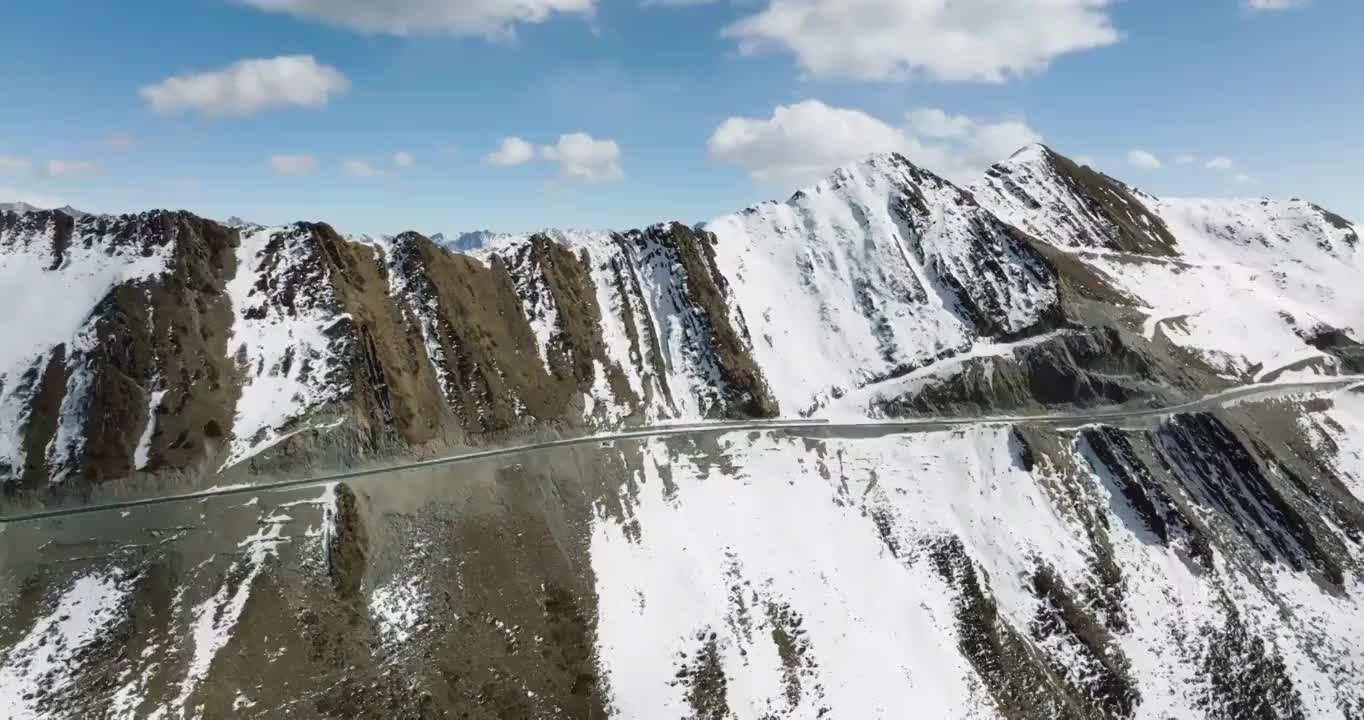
(1122, 563)
(164, 343)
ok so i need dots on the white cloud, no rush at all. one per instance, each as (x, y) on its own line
(935, 123)
(491, 18)
(403, 159)
(578, 155)
(1244, 179)
(1274, 4)
(1220, 162)
(355, 168)
(293, 165)
(38, 200)
(1144, 160)
(582, 156)
(1185, 159)
(71, 168)
(10, 165)
(511, 151)
(801, 143)
(247, 87)
(963, 40)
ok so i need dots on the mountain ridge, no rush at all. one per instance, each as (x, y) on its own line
(874, 273)
(1202, 562)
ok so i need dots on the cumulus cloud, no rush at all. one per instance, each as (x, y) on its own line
(1274, 4)
(1220, 162)
(1144, 160)
(936, 123)
(801, 143)
(511, 151)
(71, 168)
(580, 155)
(403, 159)
(963, 40)
(357, 168)
(491, 18)
(10, 165)
(1185, 159)
(1244, 179)
(247, 87)
(293, 165)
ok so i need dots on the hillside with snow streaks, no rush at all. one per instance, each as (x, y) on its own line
(1204, 565)
(1256, 289)
(55, 272)
(249, 348)
(880, 269)
(951, 558)
(1201, 564)
(75, 288)
(284, 340)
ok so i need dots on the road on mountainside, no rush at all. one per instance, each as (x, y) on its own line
(671, 430)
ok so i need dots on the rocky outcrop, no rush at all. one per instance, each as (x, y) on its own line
(1073, 367)
(1052, 196)
(706, 334)
(143, 380)
(491, 373)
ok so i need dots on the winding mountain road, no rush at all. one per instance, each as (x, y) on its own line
(1214, 400)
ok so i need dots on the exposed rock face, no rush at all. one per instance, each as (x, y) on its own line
(140, 382)
(1051, 196)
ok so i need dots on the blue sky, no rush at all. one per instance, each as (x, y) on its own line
(628, 113)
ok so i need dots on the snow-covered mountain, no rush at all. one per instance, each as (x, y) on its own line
(1257, 289)
(1206, 563)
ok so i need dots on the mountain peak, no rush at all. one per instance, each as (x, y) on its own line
(1055, 198)
(1031, 153)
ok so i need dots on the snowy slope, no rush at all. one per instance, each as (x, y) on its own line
(1205, 565)
(1189, 567)
(54, 274)
(282, 340)
(1245, 285)
(860, 287)
(843, 551)
(879, 269)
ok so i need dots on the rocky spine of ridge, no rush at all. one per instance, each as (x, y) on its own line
(152, 350)
(1049, 195)
(273, 348)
